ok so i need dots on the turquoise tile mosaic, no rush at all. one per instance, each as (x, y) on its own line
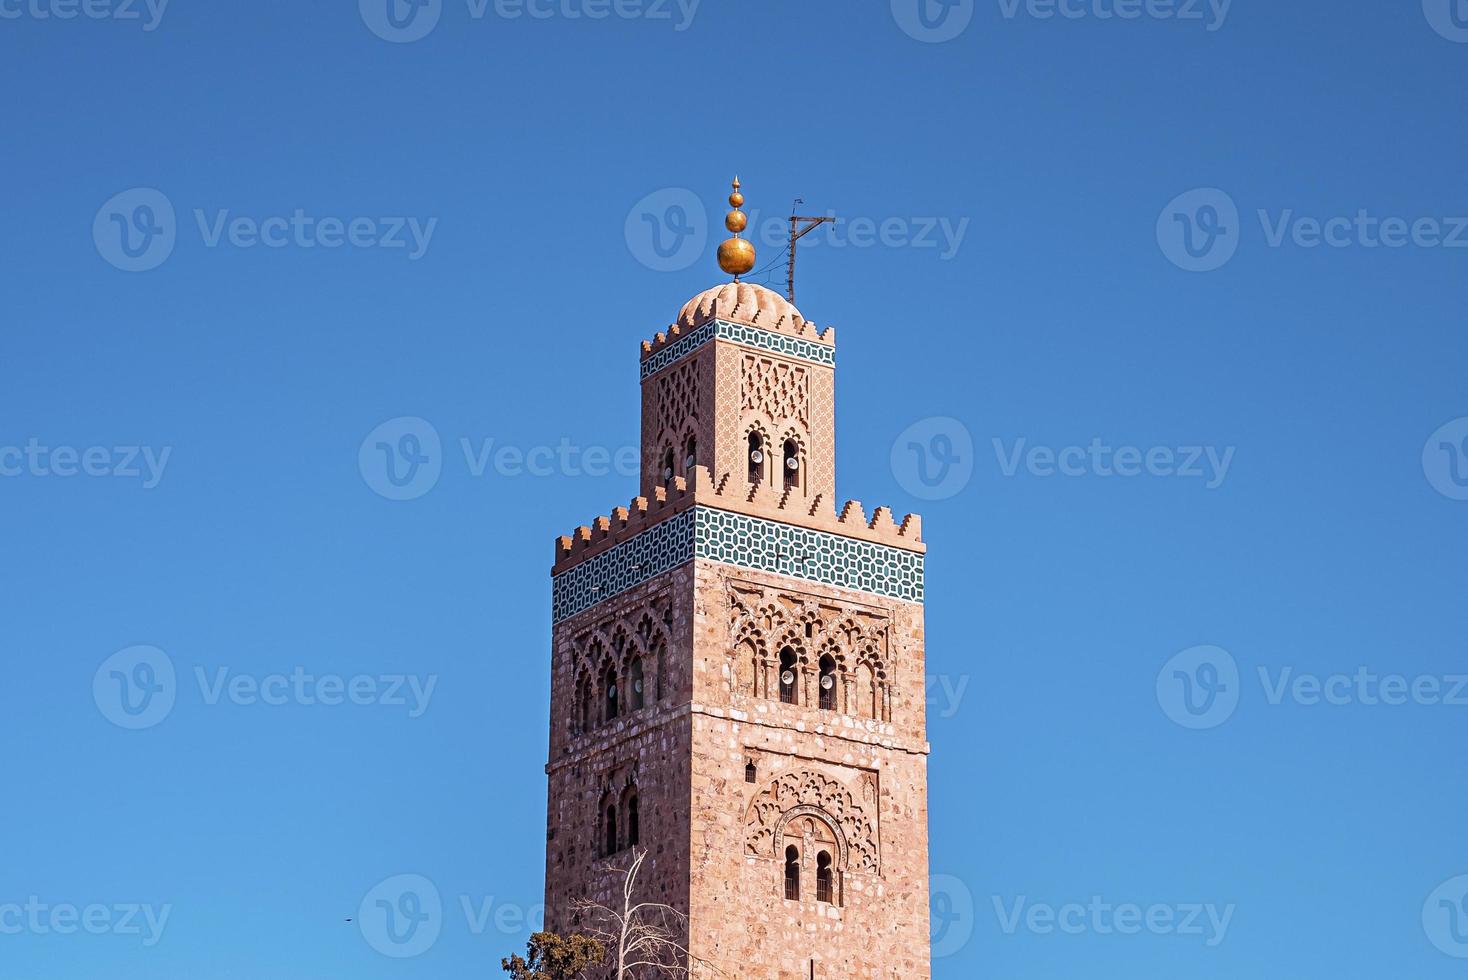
(739, 333)
(660, 548)
(748, 542)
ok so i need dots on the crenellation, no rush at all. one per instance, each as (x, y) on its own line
(758, 501)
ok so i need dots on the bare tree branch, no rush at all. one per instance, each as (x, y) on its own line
(644, 938)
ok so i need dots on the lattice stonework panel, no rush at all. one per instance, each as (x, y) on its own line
(776, 390)
(748, 542)
(822, 427)
(677, 395)
(729, 444)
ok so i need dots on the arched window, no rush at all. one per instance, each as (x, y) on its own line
(611, 840)
(756, 458)
(791, 463)
(668, 465)
(611, 693)
(792, 873)
(690, 455)
(787, 676)
(751, 772)
(632, 828)
(828, 683)
(825, 880)
(637, 699)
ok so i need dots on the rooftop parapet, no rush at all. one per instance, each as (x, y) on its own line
(728, 494)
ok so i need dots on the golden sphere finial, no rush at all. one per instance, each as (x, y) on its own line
(736, 256)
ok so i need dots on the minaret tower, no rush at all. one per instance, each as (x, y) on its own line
(737, 666)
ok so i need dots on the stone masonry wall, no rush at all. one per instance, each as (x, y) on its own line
(867, 775)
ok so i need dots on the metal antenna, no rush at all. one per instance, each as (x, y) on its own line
(797, 230)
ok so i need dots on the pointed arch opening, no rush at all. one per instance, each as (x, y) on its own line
(756, 458)
(825, 879)
(611, 830)
(609, 694)
(827, 683)
(637, 698)
(788, 676)
(792, 873)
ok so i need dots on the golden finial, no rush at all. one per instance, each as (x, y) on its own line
(736, 256)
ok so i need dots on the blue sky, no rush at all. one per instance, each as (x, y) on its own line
(457, 235)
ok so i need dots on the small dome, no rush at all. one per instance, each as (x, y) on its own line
(742, 302)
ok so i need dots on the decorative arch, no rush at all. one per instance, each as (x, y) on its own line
(807, 793)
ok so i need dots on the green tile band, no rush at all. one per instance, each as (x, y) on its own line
(748, 542)
(739, 333)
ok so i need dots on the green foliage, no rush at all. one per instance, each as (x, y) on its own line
(553, 957)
